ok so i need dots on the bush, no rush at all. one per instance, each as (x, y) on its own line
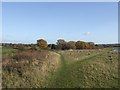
(71, 45)
(42, 43)
(30, 54)
(22, 59)
(82, 45)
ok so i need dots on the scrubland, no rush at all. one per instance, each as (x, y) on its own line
(90, 68)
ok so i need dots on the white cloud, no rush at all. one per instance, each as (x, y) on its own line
(87, 34)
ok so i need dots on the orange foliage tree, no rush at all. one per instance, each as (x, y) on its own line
(82, 45)
(71, 45)
(42, 43)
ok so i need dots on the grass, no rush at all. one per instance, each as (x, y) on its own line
(28, 69)
(88, 74)
(92, 71)
(65, 77)
(64, 69)
(5, 50)
(0, 49)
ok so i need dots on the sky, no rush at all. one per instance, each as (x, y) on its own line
(26, 22)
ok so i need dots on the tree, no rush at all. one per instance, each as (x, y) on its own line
(71, 45)
(42, 43)
(61, 41)
(81, 45)
(52, 46)
(91, 45)
(61, 44)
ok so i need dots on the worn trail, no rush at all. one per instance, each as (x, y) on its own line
(64, 76)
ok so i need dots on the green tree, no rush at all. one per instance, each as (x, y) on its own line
(61, 44)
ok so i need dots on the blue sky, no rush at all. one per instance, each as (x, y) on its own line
(27, 22)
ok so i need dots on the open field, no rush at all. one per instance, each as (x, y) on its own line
(96, 68)
(4, 50)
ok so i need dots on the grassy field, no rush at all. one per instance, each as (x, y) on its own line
(97, 68)
(0, 50)
(5, 50)
(87, 69)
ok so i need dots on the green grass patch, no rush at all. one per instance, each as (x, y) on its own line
(6, 50)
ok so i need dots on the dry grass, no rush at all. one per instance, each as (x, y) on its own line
(102, 71)
(29, 68)
(93, 69)
(77, 68)
(78, 55)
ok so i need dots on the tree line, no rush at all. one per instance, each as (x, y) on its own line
(61, 44)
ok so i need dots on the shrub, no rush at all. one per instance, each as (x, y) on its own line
(42, 43)
(20, 61)
(81, 45)
(30, 54)
(71, 45)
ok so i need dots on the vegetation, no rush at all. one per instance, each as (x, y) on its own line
(62, 65)
(71, 45)
(96, 68)
(61, 44)
(82, 45)
(42, 43)
(28, 69)
(6, 50)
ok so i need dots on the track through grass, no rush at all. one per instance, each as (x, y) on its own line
(63, 77)
(88, 72)
(76, 69)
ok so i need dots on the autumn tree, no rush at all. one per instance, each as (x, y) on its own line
(81, 45)
(71, 45)
(42, 43)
